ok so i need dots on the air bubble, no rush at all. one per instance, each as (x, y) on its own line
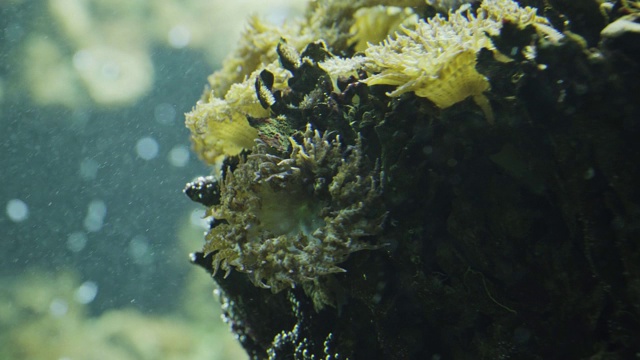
(179, 156)
(17, 210)
(147, 148)
(86, 292)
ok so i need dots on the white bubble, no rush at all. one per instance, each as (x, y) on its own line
(58, 307)
(179, 156)
(164, 113)
(147, 148)
(179, 36)
(97, 208)
(76, 241)
(89, 169)
(93, 224)
(86, 293)
(17, 210)
(95, 216)
(139, 250)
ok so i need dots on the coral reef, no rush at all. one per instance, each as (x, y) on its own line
(507, 233)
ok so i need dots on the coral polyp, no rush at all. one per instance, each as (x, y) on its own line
(291, 219)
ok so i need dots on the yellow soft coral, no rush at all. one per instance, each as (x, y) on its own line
(256, 49)
(220, 127)
(437, 59)
(217, 130)
(510, 11)
(374, 24)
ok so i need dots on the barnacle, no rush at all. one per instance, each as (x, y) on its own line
(291, 219)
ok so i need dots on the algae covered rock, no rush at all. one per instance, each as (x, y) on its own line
(463, 189)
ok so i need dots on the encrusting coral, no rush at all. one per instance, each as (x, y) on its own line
(288, 220)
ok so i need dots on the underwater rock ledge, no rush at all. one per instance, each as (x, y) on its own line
(355, 218)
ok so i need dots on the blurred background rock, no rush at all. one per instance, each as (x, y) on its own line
(94, 229)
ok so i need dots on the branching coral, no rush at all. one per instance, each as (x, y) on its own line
(289, 220)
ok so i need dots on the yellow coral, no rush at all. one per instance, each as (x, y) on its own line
(509, 10)
(457, 80)
(374, 24)
(220, 127)
(217, 130)
(437, 59)
(219, 122)
(327, 20)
